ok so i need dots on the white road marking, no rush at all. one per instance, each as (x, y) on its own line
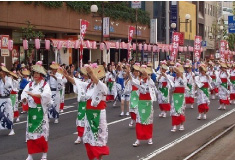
(117, 121)
(67, 107)
(178, 140)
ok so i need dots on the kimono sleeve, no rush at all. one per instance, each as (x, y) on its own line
(46, 95)
(135, 82)
(8, 84)
(101, 87)
(24, 94)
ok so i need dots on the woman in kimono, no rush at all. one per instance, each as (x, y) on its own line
(96, 130)
(232, 84)
(144, 117)
(6, 110)
(164, 86)
(37, 95)
(178, 99)
(190, 93)
(134, 99)
(110, 79)
(222, 82)
(14, 94)
(62, 91)
(55, 82)
(213, 74)
(203, 82)
(24, 81)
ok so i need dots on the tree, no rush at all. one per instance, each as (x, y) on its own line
(231, 41)
(29, 32)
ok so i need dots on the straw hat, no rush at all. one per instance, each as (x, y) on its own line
(136, 66)
(229, 64)
(39, 68)
(3, 68)
(178, 68)
(163, 62)
(211, 63)
(26, 72)
(164, 66)
(14, 74)
(172, 63)
(146, 69)
(83, 69)
(98, 70)
(203, 67)
(54, 65)
(188, 65)
(60, 70)
(150, 64)
(223, 65)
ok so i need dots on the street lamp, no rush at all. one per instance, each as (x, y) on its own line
(94, 9)
(173, 25)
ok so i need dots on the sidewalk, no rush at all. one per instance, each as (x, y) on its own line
(70, 96)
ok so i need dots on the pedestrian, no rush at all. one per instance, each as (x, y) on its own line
(96, 130)
(144, 117)
(38, 96)
(6, 111)
(203, 82)
(164, 86)
(178, 99)
(55, 83)
(190, 93)
(222, 82)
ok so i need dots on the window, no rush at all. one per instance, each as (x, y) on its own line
(205, 31)
(205, 7)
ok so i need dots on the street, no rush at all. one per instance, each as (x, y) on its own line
(121, 136)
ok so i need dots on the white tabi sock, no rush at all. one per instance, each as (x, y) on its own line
(44, 156)
(30, 157)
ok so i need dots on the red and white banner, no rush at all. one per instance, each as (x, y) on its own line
(223, 46)
(131, 33)
(197, 48)
(175, 45)
(83, 27)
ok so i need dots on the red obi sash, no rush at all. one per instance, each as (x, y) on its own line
(232, 78)
(134, 88)
(179, 90)
(13, 92)
(110, 80)
(101, 105)
(164, 84)
(145, 96)
(213, 77)
(224, 80)
(206, 85)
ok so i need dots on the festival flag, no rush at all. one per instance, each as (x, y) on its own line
(175, 45)
(83, 27)
(223, 45)
(130, 37)
(197, 47)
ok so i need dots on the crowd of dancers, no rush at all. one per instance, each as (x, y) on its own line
(174, 85)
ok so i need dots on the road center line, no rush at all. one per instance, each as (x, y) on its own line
(178, 140)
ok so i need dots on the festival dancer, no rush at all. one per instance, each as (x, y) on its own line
(110, 79)
(190, 93)
(14, 95)
(203, 82)
(164, 86)
(134, 99)
(232, 84)
(37, 95)
(178, 99)
(24, 81)
(55, 82)
(144, 117)
(222, 82)
(213, 74)
(6, 110)
(96, 130)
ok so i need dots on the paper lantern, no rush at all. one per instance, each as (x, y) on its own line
(59, 45)
(102, 46)
(163, 49)
(185, 49)
(167, 49)
(145, 47)
(201, 49)
(94, 45)
(77, 44)
(47, 44)
(68, 44)
(10, 45)
(123, 45)
(170, 47)
(88, 45)
(25, 44)
(117, 45)
(37, 43)
(149, 48)
(107, 45)
(134, 46)
(154, 48)
(181, 49)
(158, 49)
(140, 47)
(190, 49)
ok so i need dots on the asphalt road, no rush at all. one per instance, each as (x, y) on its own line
(121, 136)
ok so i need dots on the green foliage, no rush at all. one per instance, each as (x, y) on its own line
(114, 10)
(231, 41)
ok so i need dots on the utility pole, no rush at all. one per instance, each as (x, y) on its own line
(167, 23)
